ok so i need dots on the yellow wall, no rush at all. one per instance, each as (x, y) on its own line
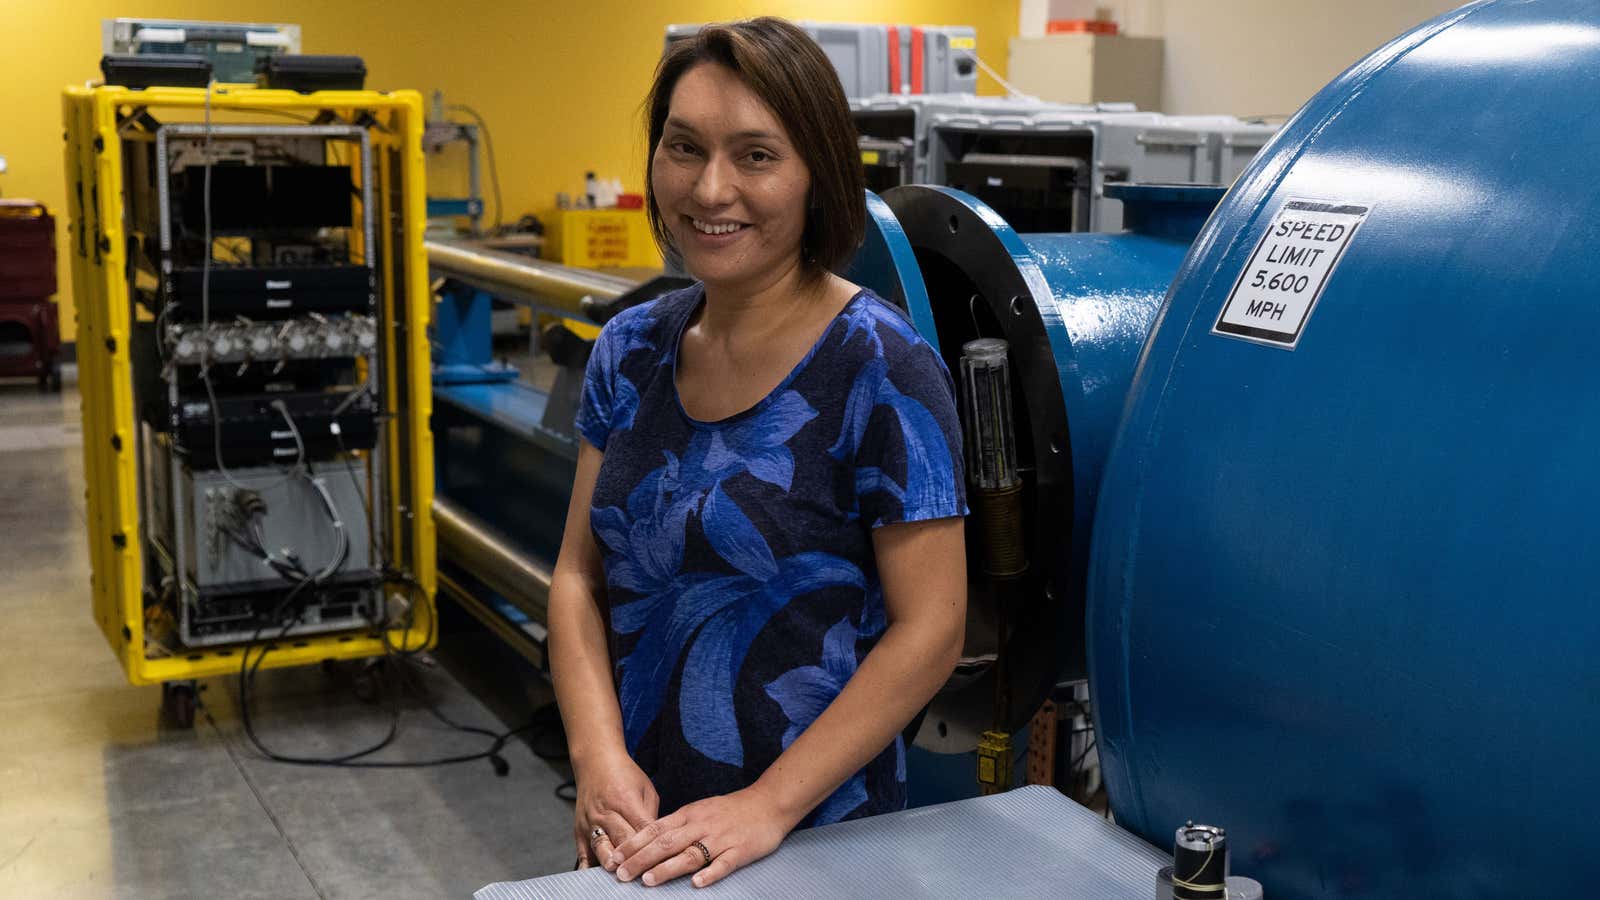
(559, 83)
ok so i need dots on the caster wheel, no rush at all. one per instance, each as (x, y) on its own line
(178, 701)
(367, 681)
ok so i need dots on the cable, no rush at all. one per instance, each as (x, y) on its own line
(343, 551)
(1010, 88)
(399, 657)
(411, 585)
(366, 505)
(567, 789)
(304, 469)
(294, 431)
(216, 437)
(205, 322)
(389, 572)
(205, 259)
(247, 672)
(205, 292)
(161, 332)
(403, 678)
(255, 545)
(494, 170)
(285, 114)
(205, 299)
(1082, 756)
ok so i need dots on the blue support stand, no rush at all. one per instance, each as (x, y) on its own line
(463, 339)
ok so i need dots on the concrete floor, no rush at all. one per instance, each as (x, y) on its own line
(100, 798)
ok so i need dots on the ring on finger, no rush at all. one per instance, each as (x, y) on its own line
(597, 834)
(704, 853)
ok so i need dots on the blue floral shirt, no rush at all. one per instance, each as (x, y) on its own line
(738, 555)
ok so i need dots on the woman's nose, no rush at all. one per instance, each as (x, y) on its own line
(715, 185)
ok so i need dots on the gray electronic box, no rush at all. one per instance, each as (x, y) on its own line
(1045, 166)
(949, 58)
(226, 589)
(890, 59)
(893, 128)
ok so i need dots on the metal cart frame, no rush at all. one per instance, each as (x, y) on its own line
(393, 122)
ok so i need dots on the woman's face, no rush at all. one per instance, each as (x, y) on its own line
(727, 179)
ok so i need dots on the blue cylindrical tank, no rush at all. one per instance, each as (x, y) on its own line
(1345, 586)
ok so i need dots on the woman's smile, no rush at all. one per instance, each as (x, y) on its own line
(714, 234)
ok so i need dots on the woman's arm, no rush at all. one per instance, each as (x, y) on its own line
(923, 567)
(613, 793)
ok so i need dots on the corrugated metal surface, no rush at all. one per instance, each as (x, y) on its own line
(1030, 842)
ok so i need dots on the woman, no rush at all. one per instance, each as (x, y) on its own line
(762, 578)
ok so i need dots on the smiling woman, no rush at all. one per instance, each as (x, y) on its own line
(762, 578)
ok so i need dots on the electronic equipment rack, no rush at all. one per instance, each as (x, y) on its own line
(252, 301)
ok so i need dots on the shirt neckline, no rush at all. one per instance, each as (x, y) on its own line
(777, 391)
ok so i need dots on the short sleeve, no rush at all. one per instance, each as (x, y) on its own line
(596, 405)
(908, 463)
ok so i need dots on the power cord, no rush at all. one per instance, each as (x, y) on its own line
(251, 509)
(403, 679)
(494, 170)
(205, 314)
(1010, 88)
(399, 663)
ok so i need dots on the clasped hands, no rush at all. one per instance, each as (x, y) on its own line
(734, 829)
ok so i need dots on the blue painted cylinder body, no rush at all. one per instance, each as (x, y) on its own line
(1107, 290)
(1345, 598)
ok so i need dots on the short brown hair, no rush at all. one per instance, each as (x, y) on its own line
(791, 74)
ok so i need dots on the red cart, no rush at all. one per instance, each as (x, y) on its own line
(30, 336)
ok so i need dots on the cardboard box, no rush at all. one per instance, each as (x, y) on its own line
(1088, 68)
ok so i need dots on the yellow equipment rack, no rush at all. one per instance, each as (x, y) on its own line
(95, 189)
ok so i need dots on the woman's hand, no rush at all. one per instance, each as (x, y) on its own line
(616, 796)
(735, 829)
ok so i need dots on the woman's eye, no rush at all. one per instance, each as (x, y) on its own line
(760, 156)
(683, 147)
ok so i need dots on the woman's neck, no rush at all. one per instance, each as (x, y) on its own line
(760, 306)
